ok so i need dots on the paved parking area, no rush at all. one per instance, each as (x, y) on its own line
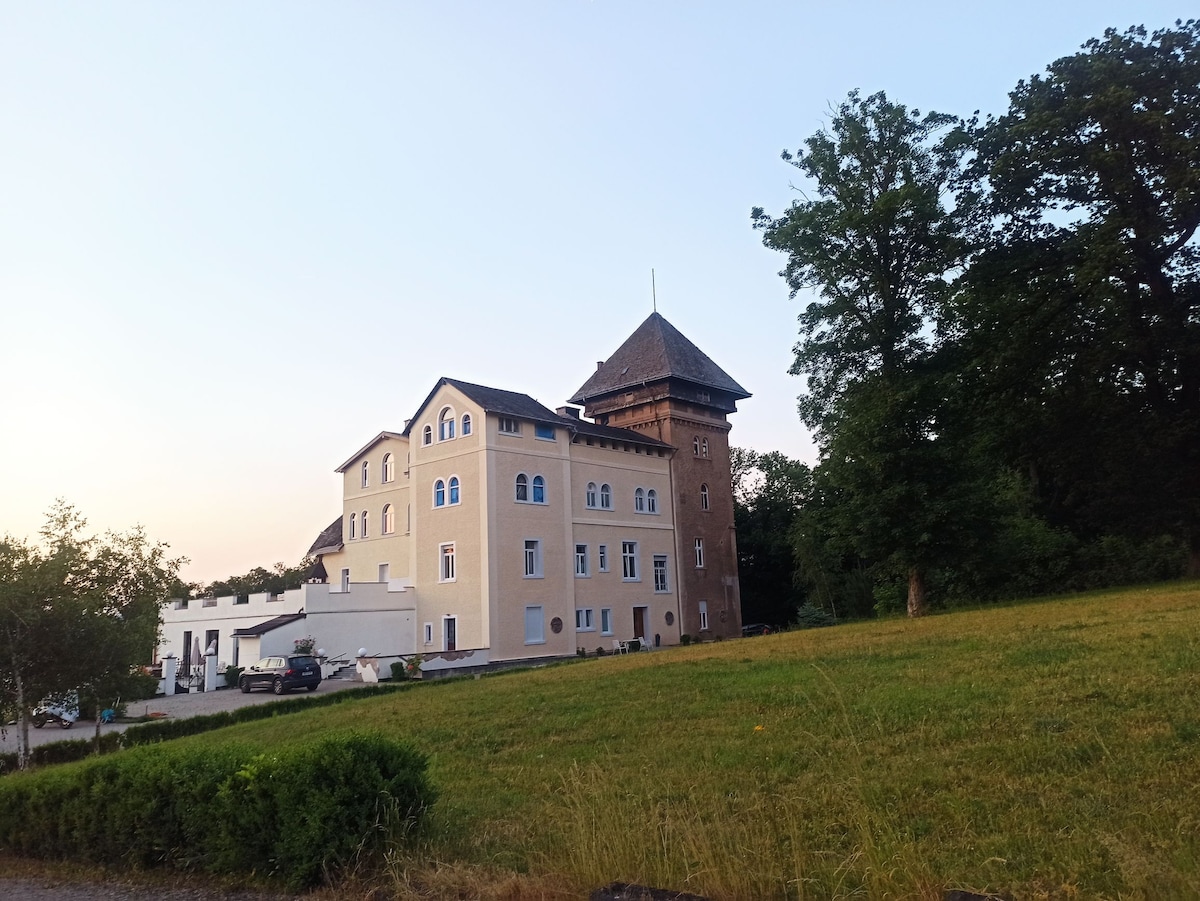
(174, 706)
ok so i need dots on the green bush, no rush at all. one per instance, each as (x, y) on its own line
(685, 638)
(304, 811)
(232, 673)
(811, 617)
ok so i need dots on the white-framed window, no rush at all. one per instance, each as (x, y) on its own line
(353, 526)
(703, 447)
(445, 424)
(581, 560)
(535, 626)
(363, 524)
(703, 497)
(427, 435)
(454, 492)
(389, 468)
(605, 496)
(429, 633)
(585, 620)
(449, 633)
(345, 580)
(660, 573)
(629, 561)
(466, 424)
(384, 571)
(533, 558)
(639, 500)
(602, 558)
(606, 621)
(539, 490)
(366, 474)
(543, 431)
(439, 493)
(590, 496)
(703, 616)
(651, 501)
(699, 553)
(696, 446)
(509, 426)
(521, 491)
(389, 519)
(446, 568)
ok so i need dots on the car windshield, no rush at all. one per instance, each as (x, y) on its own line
(302, 661)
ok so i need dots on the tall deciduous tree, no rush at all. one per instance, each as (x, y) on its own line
(879, 245)
(77, 613)
(1084, 310)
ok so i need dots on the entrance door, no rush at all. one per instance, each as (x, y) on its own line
(449, 633)
(639, 621)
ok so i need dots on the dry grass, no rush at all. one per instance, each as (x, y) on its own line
(1048, 749)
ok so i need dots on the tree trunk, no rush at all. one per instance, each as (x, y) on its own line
(22, 719)
(916, 593)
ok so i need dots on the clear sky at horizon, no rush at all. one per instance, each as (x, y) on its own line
(239, 240)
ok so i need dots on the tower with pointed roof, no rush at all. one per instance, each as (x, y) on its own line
(659, 383)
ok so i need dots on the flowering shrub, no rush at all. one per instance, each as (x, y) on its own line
(305, 645)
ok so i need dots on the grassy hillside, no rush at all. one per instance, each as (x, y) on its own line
(1047, 749)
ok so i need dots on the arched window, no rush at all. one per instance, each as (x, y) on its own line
(703, 497)
(522, 487)
(427, 435)
(606, 497)
(704, 447)
(366, 474)
(639, 501)
(651, 501)
(353, 526)
(439, 493)
(539, 490)
(389, 468)
(389, 519)
(591, 494)
(454, 489)
(696, 446)
(446, 424)
(364, 524)
(466, 424)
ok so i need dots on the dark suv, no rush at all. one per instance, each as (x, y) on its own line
(282, 674)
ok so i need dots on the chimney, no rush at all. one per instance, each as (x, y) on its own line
(573, 412)
(599, 365)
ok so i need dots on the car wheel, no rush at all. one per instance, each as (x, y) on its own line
(278, 686)
(38, 722)
(244, 685)
(66, 724)
(311, 687)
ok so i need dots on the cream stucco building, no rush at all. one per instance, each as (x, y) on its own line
(494, 529)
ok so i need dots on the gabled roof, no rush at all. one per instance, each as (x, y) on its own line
(329, 541)
(493, 400)
(656, 351)
(269, 626)
(366, 447)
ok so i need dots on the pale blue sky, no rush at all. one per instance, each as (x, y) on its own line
(237, 240)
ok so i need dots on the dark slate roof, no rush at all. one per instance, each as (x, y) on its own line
(366, 447)
(493, 400)
(329, 540)
(586, 427)
(656, 351)
(268, 626)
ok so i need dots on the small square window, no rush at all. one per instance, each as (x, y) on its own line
(545, 432)
(509, 426)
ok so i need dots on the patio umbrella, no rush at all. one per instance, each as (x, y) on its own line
(196, 651)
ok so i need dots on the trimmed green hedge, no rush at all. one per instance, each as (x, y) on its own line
(297, 813)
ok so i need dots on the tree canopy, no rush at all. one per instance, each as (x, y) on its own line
(78, 614)
(1002, 356)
